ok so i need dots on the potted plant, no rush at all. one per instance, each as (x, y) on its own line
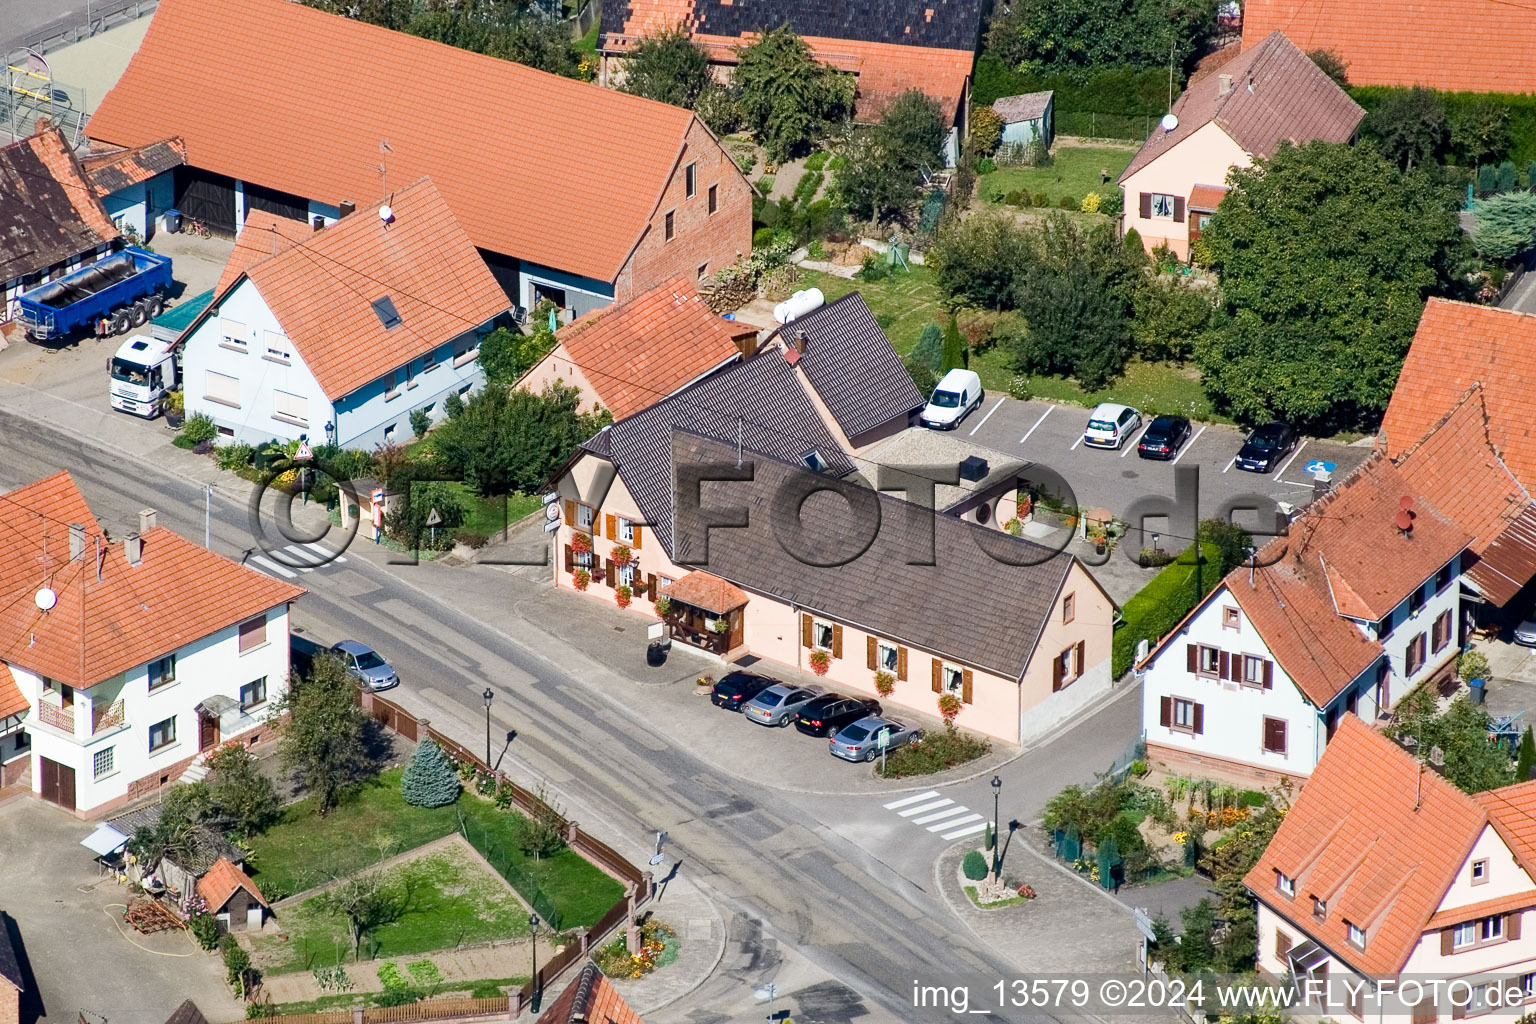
(949, 709)
(621, 555)
(581, 579)
(622, 595)
(174, 407)
(721, 626)
(581, 543)
(821, 661)
(704, 684)
(663, 606)
(885, 683)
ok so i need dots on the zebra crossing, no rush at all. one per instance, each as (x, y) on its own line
(939, 814)
(289, 561)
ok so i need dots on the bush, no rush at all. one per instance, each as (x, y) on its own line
(1020, 388)
(198, 428)
(1112, 202)
(1155, 558)
(1164, 601)
(236, 963)
(935, 752)
(430, 780)
(718, 108)
(923, 376)
(453, 404)
(202, 448)
(986, 130)
(983, 165)
(1123, 91)
(421, 422)
(974, 866)
(1472, 665)
(205, 929)
(764, 237)
(235, 456)
(874, 268)
(930, 346)
(1068, 203)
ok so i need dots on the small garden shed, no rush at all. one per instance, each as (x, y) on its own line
(232, 897)
(1027, 117)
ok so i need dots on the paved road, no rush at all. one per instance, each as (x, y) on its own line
(21, 18)
(846, 882)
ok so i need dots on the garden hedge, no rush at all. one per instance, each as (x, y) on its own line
(1112, 91)
(1522, 112)
(1164, 601)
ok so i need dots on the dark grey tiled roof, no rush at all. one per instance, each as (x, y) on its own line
(761, 398)
(208, 845)
(1029, 106)
(970, 605)
(953, 24)
(852, 366)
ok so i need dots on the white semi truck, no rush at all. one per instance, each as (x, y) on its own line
(143, 371)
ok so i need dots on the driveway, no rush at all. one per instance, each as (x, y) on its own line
(70, 921)
(1051, 435)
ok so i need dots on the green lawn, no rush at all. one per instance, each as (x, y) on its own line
(1075, 172)
(903, 303)
(304, 850)
(486, 988)
(449, 897)
(492, 514)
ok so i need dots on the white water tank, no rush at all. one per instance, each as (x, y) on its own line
(798, 304)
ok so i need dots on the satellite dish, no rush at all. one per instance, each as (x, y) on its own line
(387, 213)
(1170, 122)
(45, 599)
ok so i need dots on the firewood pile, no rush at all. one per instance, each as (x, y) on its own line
(148, 916)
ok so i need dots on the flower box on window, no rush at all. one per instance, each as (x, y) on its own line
(621, 556)
(821, 661)
(622, 595)
(581, 579)
(581, 543)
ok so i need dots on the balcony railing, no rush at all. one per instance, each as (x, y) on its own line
(109, 717)
(59, 718)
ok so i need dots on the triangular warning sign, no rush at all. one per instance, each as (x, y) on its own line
(303, 452)
(433, 519)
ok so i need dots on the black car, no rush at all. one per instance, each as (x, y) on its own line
(736, 688)
(1266, 446)
(830, 712)
(1164, 438)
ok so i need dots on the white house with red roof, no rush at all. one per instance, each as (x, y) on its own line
(341, 334)
(1383, 869)
(1359, 605)
(131, 656)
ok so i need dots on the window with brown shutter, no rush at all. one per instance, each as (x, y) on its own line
(1512, 925)
(938, 676)
(1269, 674)
(612, 525)
(837, 640)
(1166, 712)
(1415, 657)
(1056, 674)
(650, 586)
(805, 631)
(1224, 666)
(570, 513)
(1192, 657)
(870, 645)
(1274, 735)
(1082, 653)
(965, 686)
(1199, 719)
(1178, 209)
(1442, 630)
(570, 559)
(608, 573)
(253, 633)
(1282, 945)
(901, 664)
(1069, 608)
(1146, 206)
(1447, 941)
(636, 542)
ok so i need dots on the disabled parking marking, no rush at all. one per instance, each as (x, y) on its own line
(1281, 471)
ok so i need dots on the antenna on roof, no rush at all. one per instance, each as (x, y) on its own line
(384, 164)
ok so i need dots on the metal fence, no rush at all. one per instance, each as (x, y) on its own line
(99, 18)
(497, 857)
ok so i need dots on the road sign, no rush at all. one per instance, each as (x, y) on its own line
(1319, 466)
(656, 631)
(883, 738)
(377, 496)
(303, 452)
(1144, 924)
(552, 513)
(552, 526)
(550, 498)
(433, 518)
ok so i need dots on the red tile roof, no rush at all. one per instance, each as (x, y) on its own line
(1207, 197)
(11, 700)
(1276, 95)
(566, 176)
(48, 210)
(590, 998)
(1457, 468)
(640, 351)
(115, 169)
(263, 234)
(118, 616)
(706, 593)
(1513, 811)
(321, 288)
(1379, 838)
(219, 883)
(1457, 45)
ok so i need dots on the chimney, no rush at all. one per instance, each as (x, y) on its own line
(799, 342)
(1225, 84)
(148, 519)
(348, 207)
(133, 548)
(1322, 482)
(318, 222)
(76, 540)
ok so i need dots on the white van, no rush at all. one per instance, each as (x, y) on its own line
(955, 396)
(1111, 425)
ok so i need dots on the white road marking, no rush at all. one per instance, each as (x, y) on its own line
(920, 808)
(273, 567)
(1039, 421)
(1130, 442)
(948, 812)
(1076, 443)
(985, 418)
(1187, 446)
(1281, 471)
(1230, 462)
(300, 557)
(910, 800)
(969, 830)
(329, 553)
(952, 824)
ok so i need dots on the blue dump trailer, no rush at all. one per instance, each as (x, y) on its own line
(111, 296)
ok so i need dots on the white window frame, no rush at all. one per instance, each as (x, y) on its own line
(691, 180)
(1467, 929)
(235, 335)
(1480, 871)
(1162, 206)
(167, 667)
(1356, 934)
(1214, 672)
(822, 628)
(1285, 884)
(282, 399)
(259, 682)
(953, 678)
(626, 529)
(165, 741)
(1491, 928)
(626, 575)
(586, 516)
(887, 657)
(584, 559)
(277, 348)
(1257, 663)
(221, 397)
(103, 762)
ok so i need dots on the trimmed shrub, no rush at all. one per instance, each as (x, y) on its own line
(198, 428)
(1112, 91)
(1069, 203)
(430, 780)
(1521, 123)
(975, 865)
(1164, 601)
(930, 347)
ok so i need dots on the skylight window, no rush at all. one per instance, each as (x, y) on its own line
(384, 309)
(813, 461)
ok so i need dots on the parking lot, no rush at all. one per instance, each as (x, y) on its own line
(1051, 436)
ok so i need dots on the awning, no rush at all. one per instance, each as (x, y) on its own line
(706, 592)
(1307, 957)
(214, 707)
(104, 841)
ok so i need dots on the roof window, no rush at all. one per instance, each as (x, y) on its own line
(384, 309)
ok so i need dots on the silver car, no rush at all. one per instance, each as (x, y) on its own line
(777, 705)
(861, 740)
(1525, 633)
(364, 664)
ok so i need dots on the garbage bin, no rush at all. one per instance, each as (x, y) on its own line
(1476, 690)
(656, 652)
(173, 221)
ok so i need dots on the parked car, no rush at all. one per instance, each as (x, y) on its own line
(1163, 438)
(734, 690)
(777, 704)
(364, 664)
(1111, 425)
(1525, 633)
(1266, 446)
(860, 741)
(952, 399)
(831, 711)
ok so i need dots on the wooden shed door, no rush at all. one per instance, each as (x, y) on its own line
(58, 784)
(207, 197)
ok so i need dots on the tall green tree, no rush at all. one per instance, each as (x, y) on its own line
(1076, 326)
(1525, 756)
(668, 68)
(1409, 126)
(786, 96)
(1081, 35)
(976, 261)
(324, 743)
(912, 129)
(506, 441)
(507, 354)
(930, 346)
(952, 354)
(870, 183)
(1505, 225)
(1472, 764)
(1331, 63)
(1326, 254)
(1480, 131)
(243, 798)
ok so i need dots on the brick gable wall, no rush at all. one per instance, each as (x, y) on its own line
(699, 237)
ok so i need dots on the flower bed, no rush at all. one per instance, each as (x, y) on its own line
(935, 752)
(658, 948)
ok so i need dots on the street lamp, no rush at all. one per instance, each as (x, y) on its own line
(997, 790)
(488, 695)
(330, 432)
(533, 932)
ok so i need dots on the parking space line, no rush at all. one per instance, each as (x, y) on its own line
(1076, 443)
(920, 808)
(1131, 442)
(1230, 463)
(948, 812)
(952, 824)
(969, 830)
(985, 418)
(1031, 430)
(910, 800)
(1187, 446)
(1281, 472)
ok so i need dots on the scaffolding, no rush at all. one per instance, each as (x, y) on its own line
(32, 95)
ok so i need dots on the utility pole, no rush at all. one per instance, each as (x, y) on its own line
(208, 516)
